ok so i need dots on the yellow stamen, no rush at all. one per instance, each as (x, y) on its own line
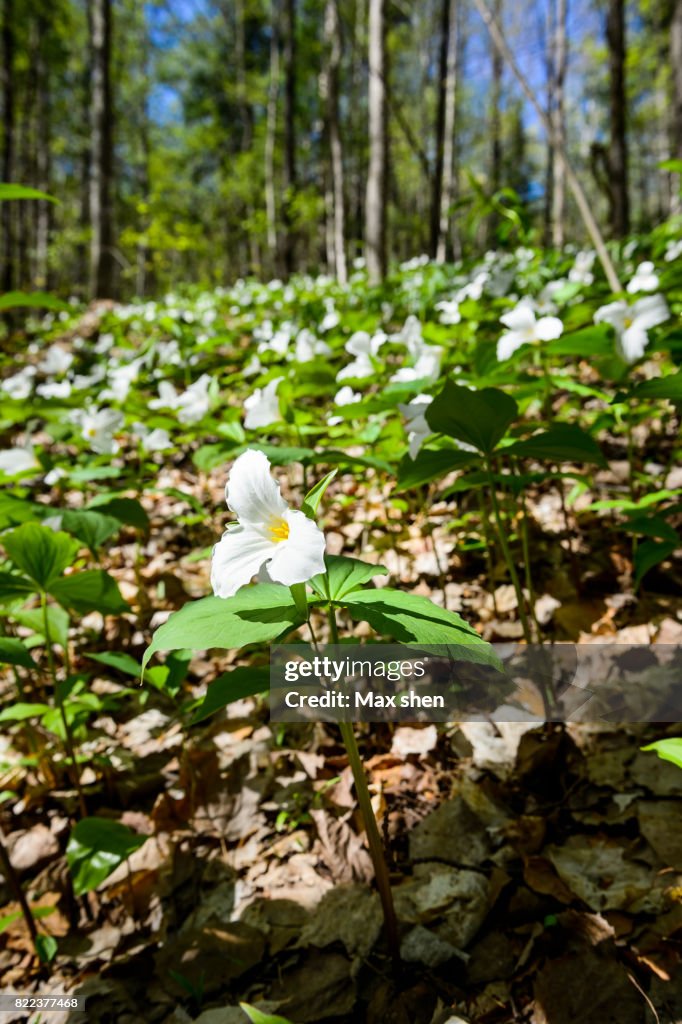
(279, 530)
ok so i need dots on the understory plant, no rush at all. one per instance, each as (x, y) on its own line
(287, 547)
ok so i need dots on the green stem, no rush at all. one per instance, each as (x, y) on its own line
(68, 738)
(376, 846)
(502, 537)
(489, 545)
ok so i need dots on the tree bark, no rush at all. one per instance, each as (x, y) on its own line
(437, 190)
(270, 135)
(618, 152)
(560, 52)
(101, 155)
(8, 125)
(330, 91)
(676, 118)
(43, 163)
(375, 204)
(448, 182)
(495, 119)
(289, 58)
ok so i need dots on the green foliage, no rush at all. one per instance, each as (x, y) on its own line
(96, 847)
(479, 418)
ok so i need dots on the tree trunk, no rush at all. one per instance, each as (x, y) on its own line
(618, 153)
(289, 57)
(495, 119)
(7, 140)
(270, 136)
(676, 65)
(101, 155)
(375, 205)
(330, 91)
(44, 208)
(437, 191)
(560, 50)
(448, 189)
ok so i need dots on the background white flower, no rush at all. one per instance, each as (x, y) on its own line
(632, 323)
(417, 427)
(262, 407)
(645, 279)
(269, 535)
(98, 427)
(525, 329)
(18, 460)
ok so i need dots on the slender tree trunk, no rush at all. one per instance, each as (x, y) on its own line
(101, 157)
(560, 49)
(495, 119)
(676, 118)
(43, 208)
(289, 58)
(245, 111)
(618, 151)
(330, 91)
(270, 136)
(550, 63)
(447, 190)
(437, 190)
(375, 205)
(8, 118)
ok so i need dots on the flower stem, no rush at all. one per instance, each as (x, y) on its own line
(520, 599)
(68, 738)
(376, 846)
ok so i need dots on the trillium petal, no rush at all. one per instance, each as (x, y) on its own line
(650, 312)
(509, 342)
(237, 557)
(633, 342)
(613, 313)
(252, 492)
(548, 328)
(301, 556)
(522, 318)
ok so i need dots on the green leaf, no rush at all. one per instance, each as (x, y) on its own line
(651, 526)
(13, 652)
(479, 418)
(46, 947)
(312, 499)
(92, 528)
(344, 575)
(57, 620)
(257, 613)
(9, 191)
(13, 587)
(93, 590)
(669, 387)
(126, 510)
(649, 554)
(117, 659)
(231, 686)
(431, 464)
(410, 618)
(31, 300)
(562, 442)
(21, 711)
(96, 847)
(668, 750)
(14, 511)
(257, 1017)
(40, 552)
(596, 340)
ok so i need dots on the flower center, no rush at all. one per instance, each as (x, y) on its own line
(279, 530)
(627, 322)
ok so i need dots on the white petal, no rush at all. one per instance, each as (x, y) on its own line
(522, 318)
(359, 344)
(613, 313)
(508, 344)
(633, 343)
(17, 460)
(301, 556)
(650, 312)
(252, 492)
(237, 557)
(548, 328)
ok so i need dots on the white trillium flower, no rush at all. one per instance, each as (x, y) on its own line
(98, 427)
(262, 407)
(18, 460)
(449, 312)
(55, 389)
(417, 427)
(344, 396)
(191, 405)
(157, 440)
(525, 329)
(269, 535)
(673, 250)
(308, 346)
(581, 271)
(19, 385)
(632, 323)
(426, 367)
(645, 279)
(55, 361)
